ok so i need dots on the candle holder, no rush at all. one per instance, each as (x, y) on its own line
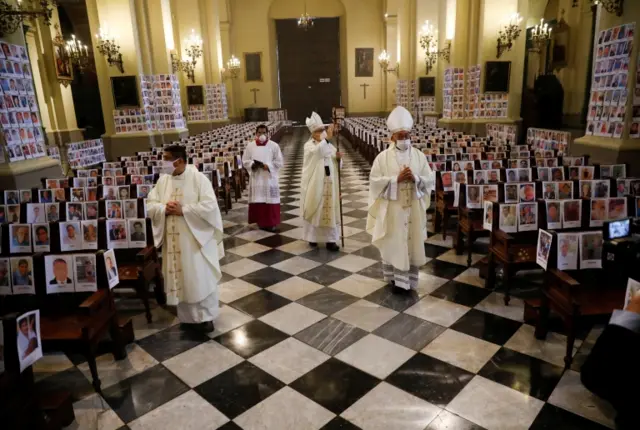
(109, 48)
(611, 6)
(429, 42)
(12, 17)
(384, 59)
(509, 34)
(232, 70)
(540, 36)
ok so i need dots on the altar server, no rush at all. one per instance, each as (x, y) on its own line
(400, 185)
(263, 160)
(319, 197)
(187, 224)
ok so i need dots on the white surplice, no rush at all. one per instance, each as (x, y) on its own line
(397, 219)
(263, 185)
(319, 202)
(191, 244)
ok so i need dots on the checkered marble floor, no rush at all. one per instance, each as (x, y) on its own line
(309, 339)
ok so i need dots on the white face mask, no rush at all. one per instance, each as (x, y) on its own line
(168, 167)
(323, 136)
(262, 138)
(403, 145)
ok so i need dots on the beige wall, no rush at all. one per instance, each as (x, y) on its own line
(361, 21)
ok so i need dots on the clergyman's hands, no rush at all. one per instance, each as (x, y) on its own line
(173, 208)
(405, 175)
(338, 155)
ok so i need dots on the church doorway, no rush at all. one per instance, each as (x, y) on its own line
(308, 67)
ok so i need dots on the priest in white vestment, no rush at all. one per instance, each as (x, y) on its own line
(187, 224)
(319, 202)
(400, 191)
(263, 160)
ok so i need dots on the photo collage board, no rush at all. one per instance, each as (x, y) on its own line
(472, 91)
(608, 100)
(85, 153)
(575, 250)
(634, 133)
(453, 89)
(216, 101)
(502, 133)
(19, 114)
(542, 138)
(215, 107)
(161, 101)
(130, 120)
(275, 115)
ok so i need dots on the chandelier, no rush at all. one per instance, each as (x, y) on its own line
(12, 17)
(509, 34)
(232, 70)
(305, 21)
(109, 48)
(193, 51)
(78, 53)
(540, 35)
(611, 6)
(429, 42)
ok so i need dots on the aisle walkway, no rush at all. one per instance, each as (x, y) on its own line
(309, 339)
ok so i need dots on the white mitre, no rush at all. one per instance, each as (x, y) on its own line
(314, 123)
(399, 120)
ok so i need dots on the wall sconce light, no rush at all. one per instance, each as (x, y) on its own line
(193, 51)
(109, 48)
(384, 59)
(12, 17)
(233, 69)
(446, 52)
(540, 35)
(509, 34)
(611, 6)
(429, 42)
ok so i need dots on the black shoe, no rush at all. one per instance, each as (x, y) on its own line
(206, 327)
(313, 244)
(399, 290)
(269, 229)
(333, 247)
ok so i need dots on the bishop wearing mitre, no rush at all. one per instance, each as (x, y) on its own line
(187, 224)
(400, 185)
(319, 196)
(263, 160)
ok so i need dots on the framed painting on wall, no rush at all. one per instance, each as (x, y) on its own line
(426, 86)
(125, 92)
(496, 76)
(64, 68)
(195, 95)
(364, 62)
(253, 66)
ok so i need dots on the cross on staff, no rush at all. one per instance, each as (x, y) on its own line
(255, 96)
(364, 87)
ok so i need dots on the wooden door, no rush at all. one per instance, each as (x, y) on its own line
(309, 67)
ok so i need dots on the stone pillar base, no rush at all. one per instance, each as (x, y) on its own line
(606, 150)
(62, 137)
(475, 126)
(119, 145)
(197, 127)
(26, 174)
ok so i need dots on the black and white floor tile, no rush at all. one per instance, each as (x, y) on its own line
(308, 339)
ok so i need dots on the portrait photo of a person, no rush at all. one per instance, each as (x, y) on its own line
(21, 275)
(138, 233)
(27, 337)
(41, 235)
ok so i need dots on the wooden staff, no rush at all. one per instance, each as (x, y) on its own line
(336, 128)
